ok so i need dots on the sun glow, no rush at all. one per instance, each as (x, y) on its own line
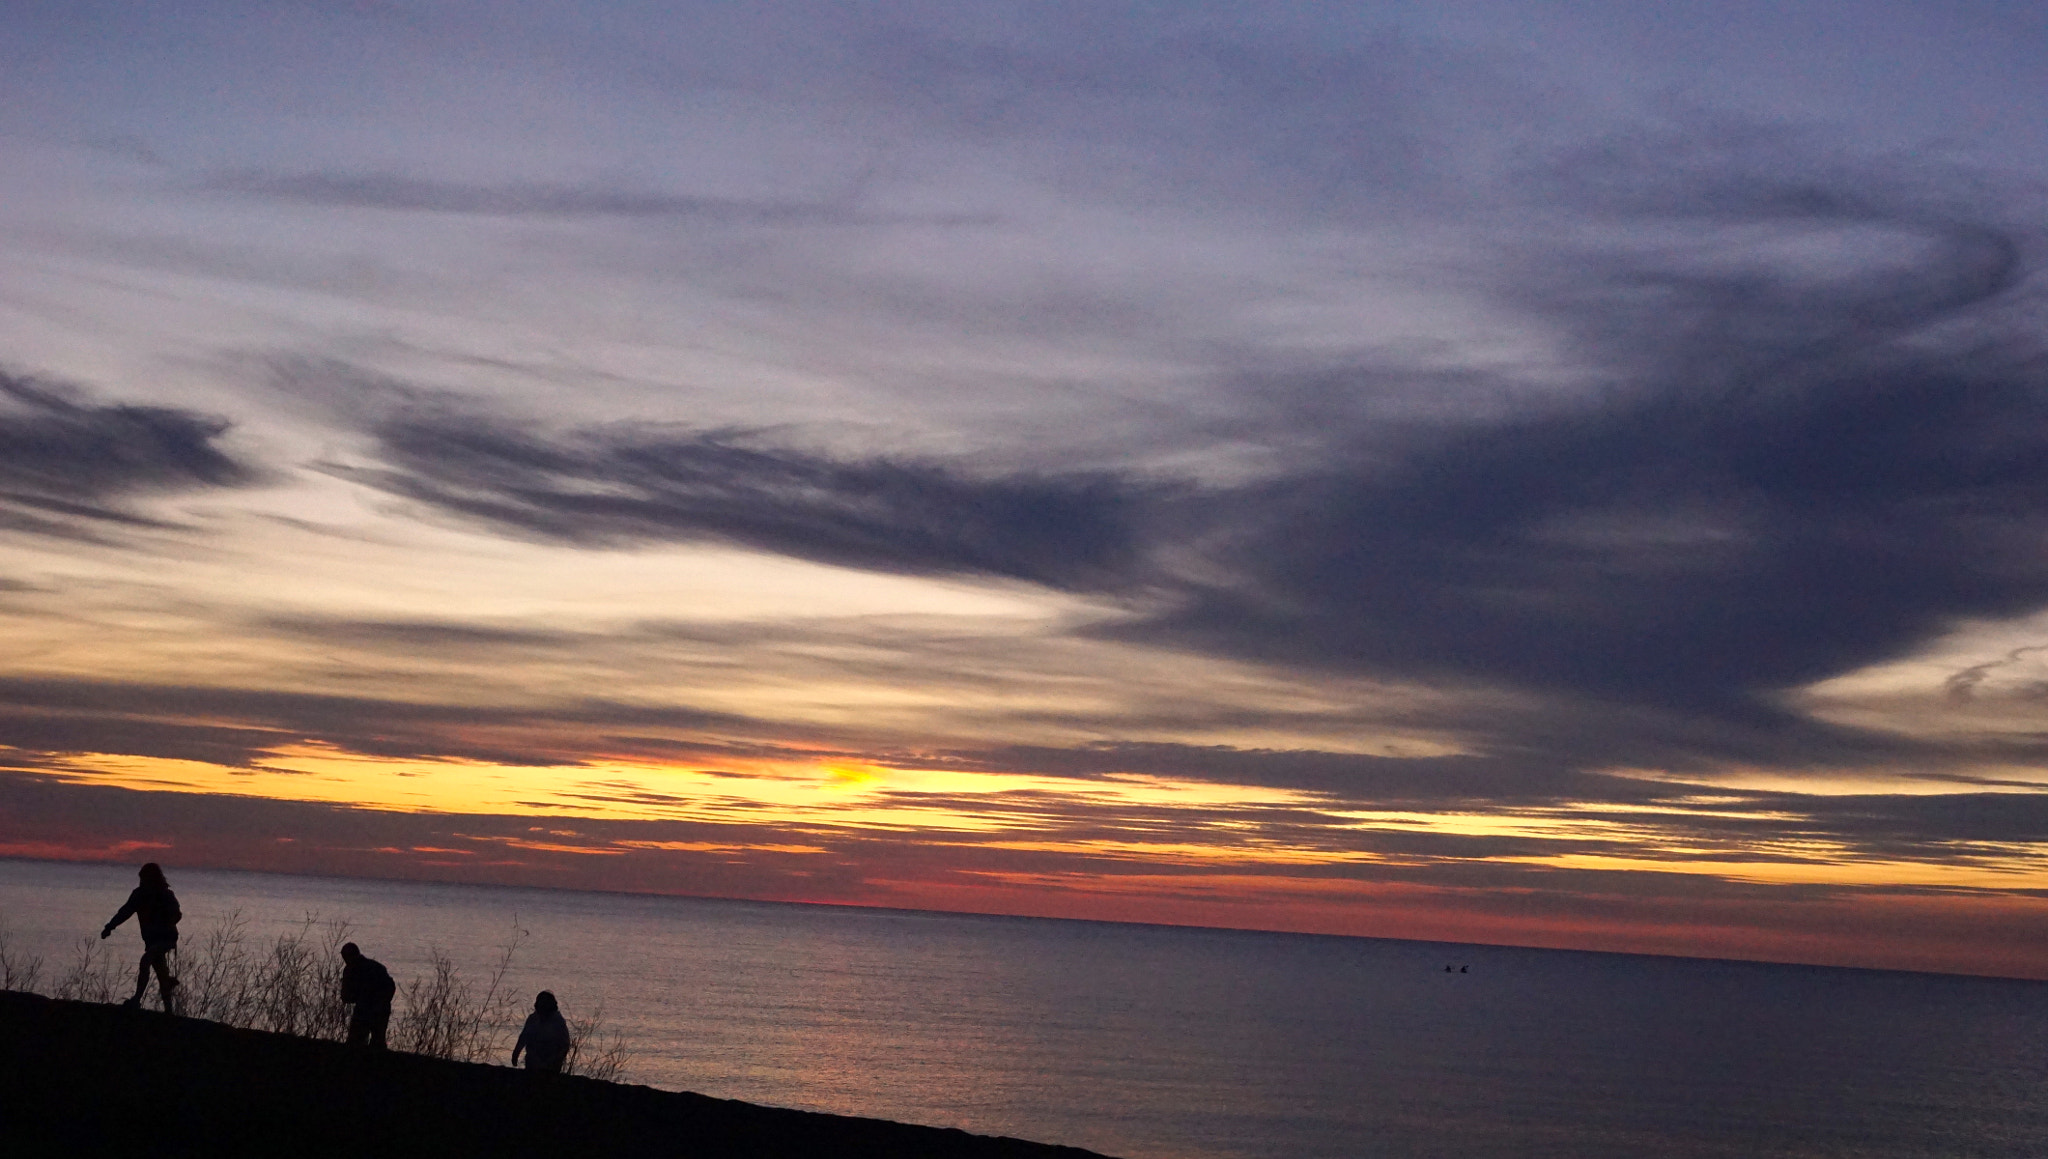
(836, 792)
(1103, 821)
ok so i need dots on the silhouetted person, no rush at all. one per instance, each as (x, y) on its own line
(155, 909)
(367, 986)
(544, 1038)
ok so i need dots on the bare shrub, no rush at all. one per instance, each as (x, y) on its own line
(291, 984)
(92, 975)
(216, 979)
(297, 984)
(448, 1017)
(595, 1051)
(18, 971)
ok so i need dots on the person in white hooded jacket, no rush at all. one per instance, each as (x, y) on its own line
(544, 1038)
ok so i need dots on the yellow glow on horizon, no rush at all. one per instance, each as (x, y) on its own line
(1098, 819)
(2006, 875)
(837, 793)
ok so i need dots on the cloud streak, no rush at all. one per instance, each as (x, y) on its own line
(621, 487)
(420, 195)
(68, 467)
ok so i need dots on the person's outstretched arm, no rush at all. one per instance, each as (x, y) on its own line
(127, 911)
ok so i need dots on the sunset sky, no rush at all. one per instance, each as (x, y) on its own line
(1566, 475)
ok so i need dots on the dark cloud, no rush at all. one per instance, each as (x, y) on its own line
(1941, 827)
(414, 194)
(415, 635)
(35, 730)
(1804, 428)
(620, 486)
(67, 465)
(223, 831)
(1778, 481)
(1672, 820)
(245, 725)
(1349, 777)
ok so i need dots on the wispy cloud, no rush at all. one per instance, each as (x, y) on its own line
(621, 486)
(1780, 471)
(68, 466)
(424, 195)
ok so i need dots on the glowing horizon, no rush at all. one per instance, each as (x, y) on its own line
(1558, 479)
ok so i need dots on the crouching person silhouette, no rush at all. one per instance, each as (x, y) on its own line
(366, 985)
(155, 909)
(544, 1038)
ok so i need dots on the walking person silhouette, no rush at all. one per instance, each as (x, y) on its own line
(155, 909)
(368, 985)
(545, 1037)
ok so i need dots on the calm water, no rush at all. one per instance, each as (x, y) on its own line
(1161, 1043)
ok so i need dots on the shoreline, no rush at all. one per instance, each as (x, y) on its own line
(88, 1078)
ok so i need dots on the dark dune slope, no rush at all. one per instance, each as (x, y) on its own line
(85, 1079)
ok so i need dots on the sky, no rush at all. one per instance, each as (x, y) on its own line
(1560, 475)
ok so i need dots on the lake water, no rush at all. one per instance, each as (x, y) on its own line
(1154, 1042)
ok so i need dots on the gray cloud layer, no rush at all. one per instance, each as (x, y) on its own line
(1783, 483)
(621, 486)
(1777, 470)
(66, 465)
(393, 192)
